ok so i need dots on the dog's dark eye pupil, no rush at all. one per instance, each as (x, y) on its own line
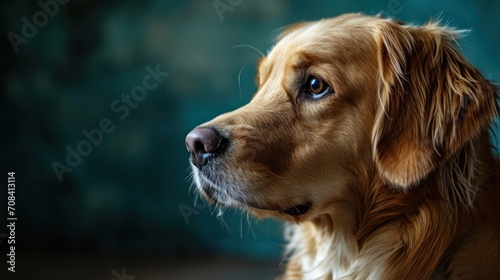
(316, 86)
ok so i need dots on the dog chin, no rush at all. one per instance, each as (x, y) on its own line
(215, 195)
(295, 212)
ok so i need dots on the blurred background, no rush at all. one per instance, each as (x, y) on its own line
(102, 179)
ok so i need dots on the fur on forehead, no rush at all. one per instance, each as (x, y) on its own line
(315, 36)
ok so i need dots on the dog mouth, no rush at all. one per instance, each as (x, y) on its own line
(294, 211)
(298, 210)
(213, 195)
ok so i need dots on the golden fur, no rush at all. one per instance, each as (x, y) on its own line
(391, 174)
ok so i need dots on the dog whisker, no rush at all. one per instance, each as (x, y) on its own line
(239, 77)
(250, 47)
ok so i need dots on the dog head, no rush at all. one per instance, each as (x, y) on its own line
(339, 102)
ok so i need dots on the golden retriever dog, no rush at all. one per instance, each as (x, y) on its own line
(370, 137)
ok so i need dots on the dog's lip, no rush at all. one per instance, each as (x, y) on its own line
(296, 210)
(299, 209)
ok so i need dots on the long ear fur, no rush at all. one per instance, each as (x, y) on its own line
(431, 101)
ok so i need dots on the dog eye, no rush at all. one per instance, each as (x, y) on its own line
(316, 87)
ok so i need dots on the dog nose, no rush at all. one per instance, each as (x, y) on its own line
(203, 143)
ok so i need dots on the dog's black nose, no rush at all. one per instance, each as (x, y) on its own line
(204, 143)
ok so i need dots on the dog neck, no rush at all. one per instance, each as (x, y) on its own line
(392, 234)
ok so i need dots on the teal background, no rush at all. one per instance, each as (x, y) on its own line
(120, 207)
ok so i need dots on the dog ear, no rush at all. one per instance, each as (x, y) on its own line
(431, 101)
